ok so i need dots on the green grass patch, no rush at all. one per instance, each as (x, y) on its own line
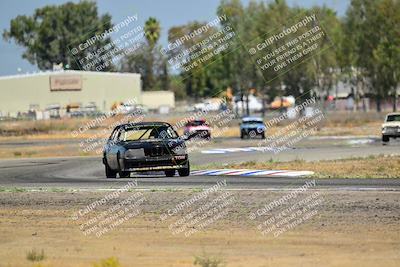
(12, 189)
(35, 255)
(109, 262)
(206, 260)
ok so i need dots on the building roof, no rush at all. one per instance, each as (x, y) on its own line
(66, 72)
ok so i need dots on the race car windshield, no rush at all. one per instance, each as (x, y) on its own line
(196, 123)
(393, 118)
(252, 122)
(146, 133)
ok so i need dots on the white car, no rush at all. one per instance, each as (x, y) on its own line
(255, 104)
(128, 108)
(391, 127)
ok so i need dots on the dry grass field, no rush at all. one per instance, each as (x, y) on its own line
(357, 229)
(369, 167)
(335, 123)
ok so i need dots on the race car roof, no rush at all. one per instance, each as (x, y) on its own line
(200, 119)
(245, 119)
(144, 124)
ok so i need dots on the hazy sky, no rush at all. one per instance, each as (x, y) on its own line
(169, 12)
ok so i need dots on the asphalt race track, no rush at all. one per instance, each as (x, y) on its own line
(88, 172)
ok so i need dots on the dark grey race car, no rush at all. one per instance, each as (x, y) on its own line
(145, 146)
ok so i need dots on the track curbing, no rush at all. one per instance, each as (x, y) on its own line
(249, 172)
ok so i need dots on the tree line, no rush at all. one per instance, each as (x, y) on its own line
(362, 48)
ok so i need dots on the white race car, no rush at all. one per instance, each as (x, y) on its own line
(391, 127)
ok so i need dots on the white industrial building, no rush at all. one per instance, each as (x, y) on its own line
(62, 89)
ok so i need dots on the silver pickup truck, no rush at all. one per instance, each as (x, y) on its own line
(391, 127)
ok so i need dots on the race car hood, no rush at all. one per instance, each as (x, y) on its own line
(252, 125)
(391, 124)
(198, 128)
(170, 143)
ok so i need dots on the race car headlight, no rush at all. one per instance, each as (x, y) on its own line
(134, 153)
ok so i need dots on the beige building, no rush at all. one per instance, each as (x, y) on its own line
(154, 100)
(41, 91)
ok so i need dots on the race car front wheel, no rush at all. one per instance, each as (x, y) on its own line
(184, 171)
(109, 172)
(385, 138)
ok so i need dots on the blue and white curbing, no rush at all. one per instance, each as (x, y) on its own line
(247, 172)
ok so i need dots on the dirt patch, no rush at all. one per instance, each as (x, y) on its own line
(350, 229)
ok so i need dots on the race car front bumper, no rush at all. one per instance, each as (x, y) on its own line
(160, 163)
(391, 131)
(256, 131)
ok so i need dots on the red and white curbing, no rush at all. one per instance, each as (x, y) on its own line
(247, 172)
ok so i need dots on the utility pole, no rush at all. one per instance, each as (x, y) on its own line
(395, 94)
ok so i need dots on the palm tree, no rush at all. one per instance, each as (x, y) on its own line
(152, 31)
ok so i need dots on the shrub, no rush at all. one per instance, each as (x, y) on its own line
(109, 262)
(34, 255)
(208, 261)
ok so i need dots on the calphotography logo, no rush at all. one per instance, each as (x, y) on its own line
(289, 211)
(102, 51)
(300, 128)
(96, 221)
(200, 211)
(281, 50)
